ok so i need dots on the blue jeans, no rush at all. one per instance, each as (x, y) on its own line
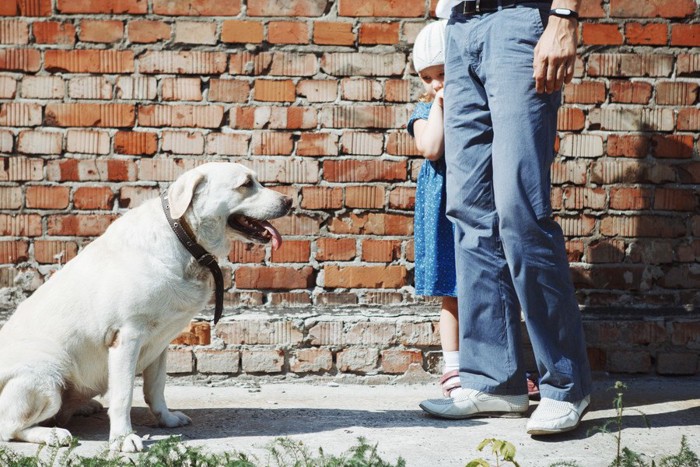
(510, 254)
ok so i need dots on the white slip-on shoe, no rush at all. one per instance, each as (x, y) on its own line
(468, 403)
(552, 416)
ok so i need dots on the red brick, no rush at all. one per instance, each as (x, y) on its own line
(133, 196)
(358, 359)
(287, 32)
(43, 87)
(321, 197)
(375, 277)
(242, 32)
(54, 251)
(181, 89)
(672, 199)
(21, 225)
(105, 31)
(244, 252)
(135, 143)
(191, 32)
(14, 32)
(601, 34)
(636, 146)
(147, 31)
(364, 64)
(89, 61)
(688, 119)
(335, 249)
(311, 361)
(646, 34)
(379, 33)
(13, 252)
(362, 143)
(218, 361)
(364, 196)
(249, 277)
(82, 225)
(93, 198)
(269, 143)
(262, 361)
(349, 170)
(267, 90)
(182, 142)
(402, 198)
(630, 92)
(651, 9)
(672, 146)
(630, 198)
(136, 7)
(371, 224)
(25, 8)
(47, 197)
(397, 361)
(8, 87)
(227, 144)
(39, 142)
(89, 115)
(397, 90)
(197, 7)
(688, 64)
(141, 87)
(358, 89)
(605, 251)
(196, 333)
(317, 144)
(10, 197)
(685, 35)
(20, 59)
(570, 119)
(228, 90)
(380, 8)
(89, 87)
(676, 93)
(197, 116)
(185, 62)
(333, 33)
(292, 251)
(91, 170)
(588, 92)
(87, 142)
(381, 251)
(18, 168)
(298, 8)
(591, 9)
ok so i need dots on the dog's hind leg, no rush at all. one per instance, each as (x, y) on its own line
(153, 392)
(26, 400)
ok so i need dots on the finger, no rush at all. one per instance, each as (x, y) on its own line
(551, 77)
(560, 75)
(570, 71)
(539, 75)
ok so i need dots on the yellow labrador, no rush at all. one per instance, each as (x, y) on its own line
(110, 313)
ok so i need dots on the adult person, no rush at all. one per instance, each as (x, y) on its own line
(505, 63)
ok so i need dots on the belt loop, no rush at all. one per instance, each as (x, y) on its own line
(478, 5)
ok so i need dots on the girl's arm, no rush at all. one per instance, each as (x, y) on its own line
(430, 133)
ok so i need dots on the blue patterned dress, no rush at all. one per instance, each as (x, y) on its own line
(433, 232)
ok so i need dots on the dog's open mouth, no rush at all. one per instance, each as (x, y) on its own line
(255, 229)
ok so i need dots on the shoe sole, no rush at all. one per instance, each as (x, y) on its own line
(474, 415)
(536, 432)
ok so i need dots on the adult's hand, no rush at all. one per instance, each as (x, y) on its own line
(555, 54)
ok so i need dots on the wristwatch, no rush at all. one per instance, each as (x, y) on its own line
(564, 13)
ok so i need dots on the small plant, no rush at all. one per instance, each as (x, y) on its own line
(500, 449)
(171, 452)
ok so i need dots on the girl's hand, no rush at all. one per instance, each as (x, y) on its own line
(439, 99)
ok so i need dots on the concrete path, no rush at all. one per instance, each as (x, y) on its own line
(333, 416)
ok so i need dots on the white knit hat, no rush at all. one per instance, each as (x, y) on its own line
(429, 48)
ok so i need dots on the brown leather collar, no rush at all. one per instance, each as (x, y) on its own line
(184, 234)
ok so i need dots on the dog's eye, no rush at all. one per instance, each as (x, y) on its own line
(247, 183)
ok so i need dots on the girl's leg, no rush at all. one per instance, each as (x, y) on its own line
(449, 340)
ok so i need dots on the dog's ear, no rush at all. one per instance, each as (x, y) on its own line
(182, 191)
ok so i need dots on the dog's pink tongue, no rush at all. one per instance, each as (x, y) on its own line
(276, 237)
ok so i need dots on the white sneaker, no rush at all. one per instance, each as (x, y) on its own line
(468, 403)
(552, 416)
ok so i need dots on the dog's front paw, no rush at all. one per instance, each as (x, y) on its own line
(127, 443)
(174, 419)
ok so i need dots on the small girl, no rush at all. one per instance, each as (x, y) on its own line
(435, 274)
(433, 234)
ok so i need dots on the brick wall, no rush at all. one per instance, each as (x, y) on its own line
(104, 102)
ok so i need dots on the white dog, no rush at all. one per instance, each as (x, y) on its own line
(111, 312)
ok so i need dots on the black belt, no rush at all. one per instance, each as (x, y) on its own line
(474, 7)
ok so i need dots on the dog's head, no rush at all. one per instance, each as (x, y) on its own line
(223, 201)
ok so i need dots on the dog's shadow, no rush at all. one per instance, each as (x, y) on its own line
(216, 423)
